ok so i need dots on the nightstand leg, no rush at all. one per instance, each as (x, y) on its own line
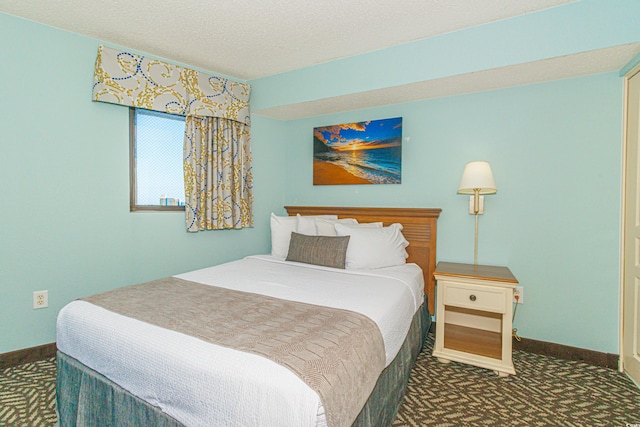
(445, 361)
(501, 374)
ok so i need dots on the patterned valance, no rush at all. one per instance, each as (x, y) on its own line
(137, 81)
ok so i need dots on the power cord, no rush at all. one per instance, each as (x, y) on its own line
(514, 331)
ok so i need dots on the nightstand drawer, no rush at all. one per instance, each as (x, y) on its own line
(475, 297)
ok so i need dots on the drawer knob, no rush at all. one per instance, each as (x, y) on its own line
(472, 297)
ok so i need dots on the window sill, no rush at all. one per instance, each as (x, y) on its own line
(158, 208)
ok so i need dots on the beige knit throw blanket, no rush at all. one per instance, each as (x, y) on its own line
(337, 353)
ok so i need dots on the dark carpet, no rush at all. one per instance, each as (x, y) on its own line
(545, 392)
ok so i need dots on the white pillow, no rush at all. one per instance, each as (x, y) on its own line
(374, 247)
(369, 225)
(281, 229)
(325, 227)
(306, 225)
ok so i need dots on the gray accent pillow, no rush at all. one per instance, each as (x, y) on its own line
(328, 251)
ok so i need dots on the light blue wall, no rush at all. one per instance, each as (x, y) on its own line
(630, 65)
(65, 224)
(555, 150)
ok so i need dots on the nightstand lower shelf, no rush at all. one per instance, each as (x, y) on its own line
(472, 340)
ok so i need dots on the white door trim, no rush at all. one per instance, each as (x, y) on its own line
(625, 139)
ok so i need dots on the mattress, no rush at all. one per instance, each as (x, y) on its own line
(199, 383)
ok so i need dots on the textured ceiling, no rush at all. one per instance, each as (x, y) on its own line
(247, 39)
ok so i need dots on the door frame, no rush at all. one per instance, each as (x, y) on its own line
(625, 139)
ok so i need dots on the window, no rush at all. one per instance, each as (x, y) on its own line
(156, 156)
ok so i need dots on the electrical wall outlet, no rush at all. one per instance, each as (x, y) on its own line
(519, 291)
(40, 299)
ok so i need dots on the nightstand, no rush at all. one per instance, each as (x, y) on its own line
(473, 315)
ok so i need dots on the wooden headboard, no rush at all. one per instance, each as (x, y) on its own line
(420, 229)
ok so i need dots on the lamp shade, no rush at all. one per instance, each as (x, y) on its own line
(477, 176)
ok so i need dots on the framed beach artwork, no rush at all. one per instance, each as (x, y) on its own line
(358, 153)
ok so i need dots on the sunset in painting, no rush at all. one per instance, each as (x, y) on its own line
(358, 153)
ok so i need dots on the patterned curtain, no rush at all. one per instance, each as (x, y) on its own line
(217, 150)
(133, 80)
(217, 174)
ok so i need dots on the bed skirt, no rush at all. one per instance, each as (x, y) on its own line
(87, 398)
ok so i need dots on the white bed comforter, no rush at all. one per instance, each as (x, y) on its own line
(203, 384)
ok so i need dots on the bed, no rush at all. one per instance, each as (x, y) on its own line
(125, 358)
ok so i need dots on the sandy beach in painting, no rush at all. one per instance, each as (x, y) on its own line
(326, 173)
(358, 153)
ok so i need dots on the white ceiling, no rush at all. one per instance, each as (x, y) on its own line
(249, 39)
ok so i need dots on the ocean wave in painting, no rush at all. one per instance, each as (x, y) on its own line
(378, 166)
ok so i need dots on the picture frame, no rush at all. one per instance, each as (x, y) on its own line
(368, 152)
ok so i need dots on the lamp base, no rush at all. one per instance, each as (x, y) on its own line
(472, 207)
